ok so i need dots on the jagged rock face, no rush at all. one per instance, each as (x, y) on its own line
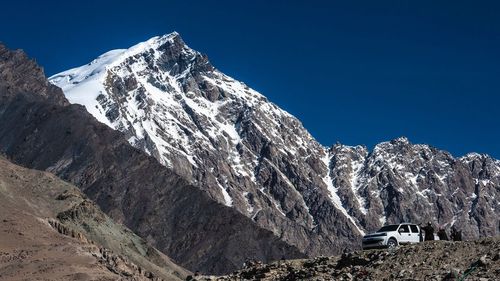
(20, 74)
(399, 181)
(249, 154)
(40, 129)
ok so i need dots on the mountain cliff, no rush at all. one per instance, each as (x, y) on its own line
(247, 153)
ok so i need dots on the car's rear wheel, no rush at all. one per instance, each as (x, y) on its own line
(392, 243)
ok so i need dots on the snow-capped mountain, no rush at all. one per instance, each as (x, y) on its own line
(249, 154)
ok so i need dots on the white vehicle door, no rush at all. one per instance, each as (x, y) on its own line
(404, 234)
(415, 234)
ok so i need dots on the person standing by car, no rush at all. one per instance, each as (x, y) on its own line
(429, 232)
(456, 235)
(442, 234)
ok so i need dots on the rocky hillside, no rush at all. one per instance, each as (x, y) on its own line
(400, 181)
(40, 130)
(248, 154)
(51, 231)
(436, 260)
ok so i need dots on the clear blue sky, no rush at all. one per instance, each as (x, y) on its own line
(358, 72)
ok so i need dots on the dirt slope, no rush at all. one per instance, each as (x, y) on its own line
(50, 231)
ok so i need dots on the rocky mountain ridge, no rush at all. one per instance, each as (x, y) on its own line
(249, 154)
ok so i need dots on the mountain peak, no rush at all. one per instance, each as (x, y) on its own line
(155, 42)
(390, 145)
(476, 156)
(161, 59)
(400, 140)
(174, 35)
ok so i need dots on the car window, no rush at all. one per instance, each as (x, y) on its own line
(392, 227)
(414, 228)
(404, 228)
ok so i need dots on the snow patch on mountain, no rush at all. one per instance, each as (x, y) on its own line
(333, 193)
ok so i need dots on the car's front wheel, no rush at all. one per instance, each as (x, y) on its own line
(392, 243)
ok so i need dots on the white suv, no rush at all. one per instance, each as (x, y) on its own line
(393, 235)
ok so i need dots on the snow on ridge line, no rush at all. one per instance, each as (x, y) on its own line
(107, 60)
(355, 186)
(83, 72)
(228, 200)
(333, 193)
(94, 74)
